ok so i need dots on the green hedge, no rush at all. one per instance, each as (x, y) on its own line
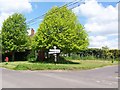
(92, 54)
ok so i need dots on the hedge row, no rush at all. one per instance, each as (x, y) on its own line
(100, 53)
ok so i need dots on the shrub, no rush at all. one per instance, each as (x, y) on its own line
(32, 57)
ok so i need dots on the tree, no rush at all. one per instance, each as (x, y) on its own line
(106, 52)
(14, 34)
(105, 48)
(61, 28)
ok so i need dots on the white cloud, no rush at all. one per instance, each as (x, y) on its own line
(3, 16)
(89, 9)
(102, 28)
(100, 41)
(101, 21)
(8, 7)
(15, 6)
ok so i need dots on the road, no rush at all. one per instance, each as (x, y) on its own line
(106, 77)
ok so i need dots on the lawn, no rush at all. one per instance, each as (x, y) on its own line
(77, 65)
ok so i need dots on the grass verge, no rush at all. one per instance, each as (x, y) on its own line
(81, 65)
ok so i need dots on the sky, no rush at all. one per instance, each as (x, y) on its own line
(100, 19)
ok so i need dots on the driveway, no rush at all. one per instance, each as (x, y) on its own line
(106, 77)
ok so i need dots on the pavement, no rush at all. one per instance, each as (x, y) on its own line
(106, 77)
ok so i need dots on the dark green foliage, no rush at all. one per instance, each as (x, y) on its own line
(73, 57)
(32, 56)
(94, 53)
(60, 60)
(18, 56)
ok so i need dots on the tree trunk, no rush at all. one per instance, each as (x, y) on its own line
(41, 56)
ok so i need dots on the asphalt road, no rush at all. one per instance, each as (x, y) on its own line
(106, 77)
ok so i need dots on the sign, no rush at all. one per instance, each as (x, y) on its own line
(54, 52)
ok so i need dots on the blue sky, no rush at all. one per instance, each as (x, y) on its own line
(39, 8)
(99, 19)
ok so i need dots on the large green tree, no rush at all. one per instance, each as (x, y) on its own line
(61, 28)
(14, 34)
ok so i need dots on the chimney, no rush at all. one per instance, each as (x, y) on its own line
(32, 32)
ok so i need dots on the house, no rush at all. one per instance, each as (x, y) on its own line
(31, 32)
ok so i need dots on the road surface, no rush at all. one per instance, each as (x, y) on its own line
(106, 77)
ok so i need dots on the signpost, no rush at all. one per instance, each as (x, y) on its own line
(54, 52)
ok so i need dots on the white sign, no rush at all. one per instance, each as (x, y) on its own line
(54, 51)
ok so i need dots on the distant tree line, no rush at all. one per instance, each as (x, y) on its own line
(94, 53)
(100, 53)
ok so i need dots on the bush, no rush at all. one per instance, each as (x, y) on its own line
(72, 57)
(32, 56)
(88, 58)
(75, 57)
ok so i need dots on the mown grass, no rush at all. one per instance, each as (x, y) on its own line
(80, 65)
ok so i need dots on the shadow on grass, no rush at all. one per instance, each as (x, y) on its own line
(60, 60)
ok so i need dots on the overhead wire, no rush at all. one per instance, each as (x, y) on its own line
(43, 14)
(68, 4)
(46, 13)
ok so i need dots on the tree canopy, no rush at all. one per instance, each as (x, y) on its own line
(14, 33)
(61, 28)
